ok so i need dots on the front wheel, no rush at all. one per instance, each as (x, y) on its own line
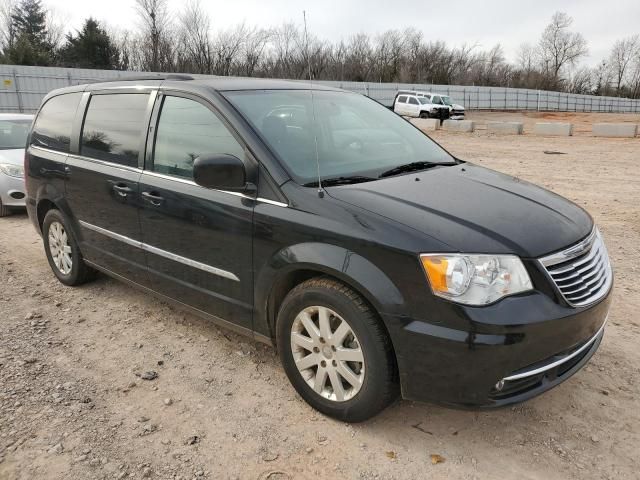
(424, 114)
(335, 350)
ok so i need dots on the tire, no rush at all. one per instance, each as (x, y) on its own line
(4, 211)
(373, 381)
(58, 241)
(424, 114)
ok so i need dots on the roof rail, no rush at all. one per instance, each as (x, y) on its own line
(179, 76)
(151, 76)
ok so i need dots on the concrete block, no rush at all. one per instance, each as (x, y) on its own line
(426, 124)
(505, 128)
(465, 126)
(555, 129)
(620, 130)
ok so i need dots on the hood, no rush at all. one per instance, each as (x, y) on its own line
(457, 107)
(474, 210)
(13, 156)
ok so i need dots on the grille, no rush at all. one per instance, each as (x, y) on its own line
(582, 272)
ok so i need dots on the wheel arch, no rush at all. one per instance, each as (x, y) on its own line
(49, 197)
(42, 208)
(298, 263)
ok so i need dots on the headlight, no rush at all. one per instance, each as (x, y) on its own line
(12, 170)
(475, 279)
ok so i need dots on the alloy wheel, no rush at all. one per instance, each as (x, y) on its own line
(327, 353)
(60, 248)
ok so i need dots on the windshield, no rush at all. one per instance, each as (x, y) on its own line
(355, 136)
(13, 134)
(446, 100)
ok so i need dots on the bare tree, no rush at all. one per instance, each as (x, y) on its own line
(559, 47)
(634, 78)
(601, 79)
(388, 55)
(526, 57)
(456, 65)
(194, 36)
(227, 48)
(154, 15)
(622, 54)
(412, 68)
(56, 22)
(7, 25)
(581, 81)
(359, 58)
(256, 42)
(493, 67)
(287, 47)
(123, 42)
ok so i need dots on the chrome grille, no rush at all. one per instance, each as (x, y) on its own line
(582, 272)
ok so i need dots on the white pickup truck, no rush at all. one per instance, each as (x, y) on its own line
(430, 102)
(410, 104)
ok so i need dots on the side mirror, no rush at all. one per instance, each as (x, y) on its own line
(221, 172)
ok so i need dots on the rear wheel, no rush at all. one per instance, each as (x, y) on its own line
(62, 251)
(335, 350)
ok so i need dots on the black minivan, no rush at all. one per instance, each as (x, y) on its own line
(320, 222)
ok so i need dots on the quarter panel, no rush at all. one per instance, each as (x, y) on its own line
(92, 195)
(45, 175)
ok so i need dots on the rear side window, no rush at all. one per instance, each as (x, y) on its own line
(402, 99)
(113, 127)
(186, 130)
(52, 128)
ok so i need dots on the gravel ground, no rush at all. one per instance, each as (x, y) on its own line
(79, 398)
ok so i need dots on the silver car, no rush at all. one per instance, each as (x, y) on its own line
(13, 137)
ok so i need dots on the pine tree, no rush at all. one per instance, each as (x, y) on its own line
(30, 20)
(32, 45)
(92, 47)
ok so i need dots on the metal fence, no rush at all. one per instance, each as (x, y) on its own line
(23, 88)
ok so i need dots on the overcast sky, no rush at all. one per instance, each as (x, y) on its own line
(482, 22)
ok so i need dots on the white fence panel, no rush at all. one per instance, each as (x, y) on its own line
(22, 89)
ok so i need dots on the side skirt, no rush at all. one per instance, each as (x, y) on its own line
(207, 316)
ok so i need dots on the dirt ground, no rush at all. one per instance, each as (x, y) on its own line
(74, 406)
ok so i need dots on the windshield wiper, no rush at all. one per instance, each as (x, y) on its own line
(348, 180)
(411, 167)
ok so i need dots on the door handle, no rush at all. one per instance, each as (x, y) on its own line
(122, 190)
(152, 198)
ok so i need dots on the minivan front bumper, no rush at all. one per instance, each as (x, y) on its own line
(511, 352)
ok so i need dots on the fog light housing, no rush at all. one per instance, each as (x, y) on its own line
(499, 386)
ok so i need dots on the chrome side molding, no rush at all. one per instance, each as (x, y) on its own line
(162, 253)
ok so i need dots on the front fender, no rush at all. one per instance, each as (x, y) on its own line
(343, 264)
